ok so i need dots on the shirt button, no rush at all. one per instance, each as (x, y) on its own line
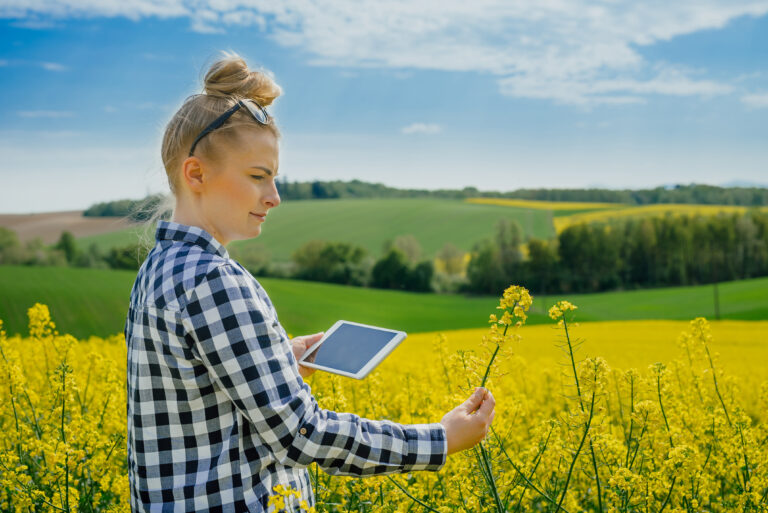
(303, 431)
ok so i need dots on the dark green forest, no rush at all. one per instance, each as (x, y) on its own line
(625, 253)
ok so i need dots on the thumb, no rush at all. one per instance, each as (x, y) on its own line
(314, 338)
(474, 400)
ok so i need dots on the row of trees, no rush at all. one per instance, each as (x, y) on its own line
(625, 253)
(137, 210)
(66, 252)
(400, 266)
(692, 194)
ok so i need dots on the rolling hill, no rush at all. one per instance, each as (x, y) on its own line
(87, 302)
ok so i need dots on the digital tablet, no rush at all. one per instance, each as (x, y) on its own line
(351, 349)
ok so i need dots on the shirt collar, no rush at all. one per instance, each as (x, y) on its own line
(170, 230)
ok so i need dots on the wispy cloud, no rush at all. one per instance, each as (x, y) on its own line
(53, 66)
(755, 101)
(35, 24)
(576, 52)
(45, 113)
(50, 66)
(421, 128)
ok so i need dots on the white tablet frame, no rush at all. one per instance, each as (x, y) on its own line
(398, 337)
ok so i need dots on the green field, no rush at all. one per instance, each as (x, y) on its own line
(94, 302)
(370, 222)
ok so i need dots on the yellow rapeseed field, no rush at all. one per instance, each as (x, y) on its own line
(657, 416)
(661, 209)
(544, 205)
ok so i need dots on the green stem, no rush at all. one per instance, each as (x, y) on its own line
(528, 481)
(717, 388)
(573, 362)
(63, 435)
(490, 480)
(414, 499)
(576, 456)
(493, 357)
(666, 501)
(663, 413)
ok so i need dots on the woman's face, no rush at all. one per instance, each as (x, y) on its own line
(239, 189)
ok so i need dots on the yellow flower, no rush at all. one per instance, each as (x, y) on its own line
(558, 309)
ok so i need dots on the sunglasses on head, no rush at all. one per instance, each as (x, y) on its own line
(257, 111)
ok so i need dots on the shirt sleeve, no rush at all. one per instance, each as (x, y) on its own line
(243, 348)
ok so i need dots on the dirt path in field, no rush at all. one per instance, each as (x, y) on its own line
(49, 225)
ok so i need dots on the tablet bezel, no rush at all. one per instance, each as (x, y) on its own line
(398, 337)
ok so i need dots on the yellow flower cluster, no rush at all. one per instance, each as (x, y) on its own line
(558, 309)
(285, 499)
(62, 421)
(570, 432)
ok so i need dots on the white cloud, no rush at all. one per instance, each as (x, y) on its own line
(45, 113)
(35, 24)
(421, 128)
(574, 52)
(53, 66)
(756, 101)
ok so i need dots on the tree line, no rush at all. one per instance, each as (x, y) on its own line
(65, 252)
(691, 194)
(625, 253)
(613, 254)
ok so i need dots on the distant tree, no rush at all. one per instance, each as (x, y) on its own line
(391, 271)
(334, 262)
(252, 256)
(452, 258)
(11, 251)
(67, 244)
(126, 257)
(408, 244)
(91, 257)
(419, 278)
(485, 272)
(542, 272)
(508, 240)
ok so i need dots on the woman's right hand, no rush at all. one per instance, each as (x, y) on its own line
(468, 423)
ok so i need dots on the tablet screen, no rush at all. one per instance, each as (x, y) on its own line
(349, 348)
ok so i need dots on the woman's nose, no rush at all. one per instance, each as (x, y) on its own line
(273, 198)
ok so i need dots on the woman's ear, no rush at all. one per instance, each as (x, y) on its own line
(193, 173)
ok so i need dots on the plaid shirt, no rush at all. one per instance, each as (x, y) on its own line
(218, 413)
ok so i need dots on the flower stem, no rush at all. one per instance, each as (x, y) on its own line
(414, 499)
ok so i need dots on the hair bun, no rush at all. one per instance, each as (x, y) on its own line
(230, 76)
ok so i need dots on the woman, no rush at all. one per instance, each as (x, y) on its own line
(218, 410)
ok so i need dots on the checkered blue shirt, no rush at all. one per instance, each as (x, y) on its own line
(218, 413)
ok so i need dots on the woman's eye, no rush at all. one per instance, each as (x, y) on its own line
(257, 177)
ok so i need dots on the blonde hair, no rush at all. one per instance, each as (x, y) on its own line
(227, 81)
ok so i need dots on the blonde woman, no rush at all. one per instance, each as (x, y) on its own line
(218, 409)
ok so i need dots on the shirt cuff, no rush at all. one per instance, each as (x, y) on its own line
(427, 447)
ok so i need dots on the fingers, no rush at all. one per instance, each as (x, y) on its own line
(474, 400)
(311, 339)
(487, 408)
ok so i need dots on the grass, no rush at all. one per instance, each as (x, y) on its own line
(87, 302)
(370, 222)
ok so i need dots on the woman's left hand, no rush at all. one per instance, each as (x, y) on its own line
(300, 346)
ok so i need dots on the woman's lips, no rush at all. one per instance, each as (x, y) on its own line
(259, 216)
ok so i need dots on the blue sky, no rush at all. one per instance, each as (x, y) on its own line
(497, 95)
